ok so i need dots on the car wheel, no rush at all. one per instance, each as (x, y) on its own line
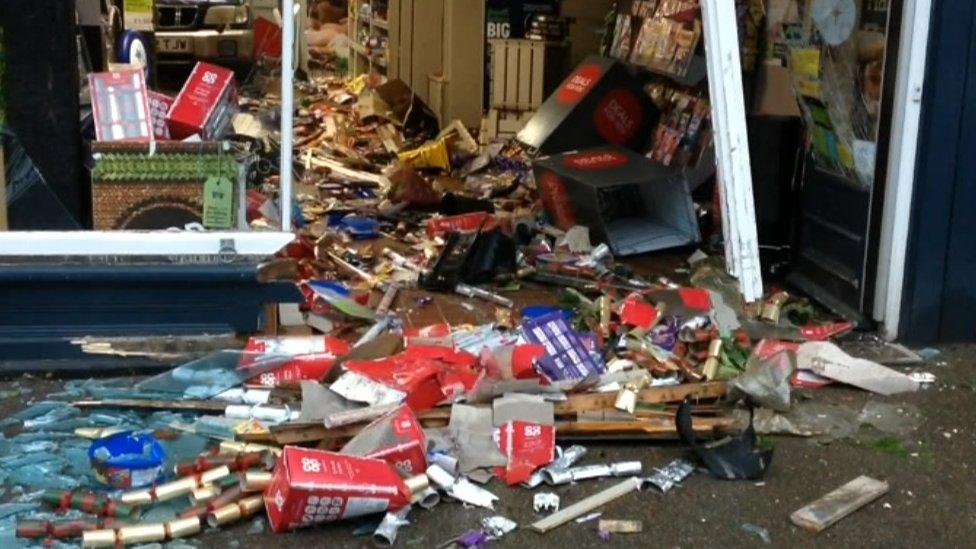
(134, 50)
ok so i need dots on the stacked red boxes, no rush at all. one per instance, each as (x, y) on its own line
(312, 487)
(206, 105)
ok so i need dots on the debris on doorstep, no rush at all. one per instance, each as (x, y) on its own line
(545, 502)
(468, 316)
(620, 526)
(826, 511)
(585, 505)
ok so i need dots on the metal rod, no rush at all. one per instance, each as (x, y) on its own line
(287, 111)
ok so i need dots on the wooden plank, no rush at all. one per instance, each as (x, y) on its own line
(393, 39)
(427, 44)
(586, 505)
(652, 426)
(511, 75)
(821, 514)
(183, 405)
(464, 54)
(525, 51)
(499, 58)
(406, 41)
(732, 146)
(538, 75)
(655, 395)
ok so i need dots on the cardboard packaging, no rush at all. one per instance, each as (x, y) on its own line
(599, 103)
(397, 438)
(312, 357)
(120, 106)
(629, 202)
(313, 487)
(206, 104)
(159, 106)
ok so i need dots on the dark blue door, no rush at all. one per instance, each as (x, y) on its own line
(940, 292)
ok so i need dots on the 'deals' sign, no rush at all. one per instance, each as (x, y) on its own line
(599, 103)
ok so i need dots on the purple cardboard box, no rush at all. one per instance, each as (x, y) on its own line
(566, 357)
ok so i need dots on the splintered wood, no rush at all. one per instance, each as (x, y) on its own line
(823, 513)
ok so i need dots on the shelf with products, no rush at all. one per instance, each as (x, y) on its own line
(662, 41)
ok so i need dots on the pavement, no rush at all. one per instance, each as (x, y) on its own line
(930, 472)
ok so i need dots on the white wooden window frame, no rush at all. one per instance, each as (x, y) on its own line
(732, 146)
(902, 156)
(168, 243)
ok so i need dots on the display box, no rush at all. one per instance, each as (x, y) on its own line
(312, 487)
(159, 106)
(627, 201)
(120, 106)
(206, 104)
(600, 103)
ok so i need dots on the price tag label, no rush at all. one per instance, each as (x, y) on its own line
(218, 203)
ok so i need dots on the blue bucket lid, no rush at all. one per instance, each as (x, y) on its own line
(127, 450)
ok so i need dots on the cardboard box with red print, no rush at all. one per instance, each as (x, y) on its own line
(312, 487)
(600, 103)
(627, 201)
(206, 104)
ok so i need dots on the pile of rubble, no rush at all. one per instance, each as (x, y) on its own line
(363, 406)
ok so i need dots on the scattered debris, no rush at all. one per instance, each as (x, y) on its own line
(759, 531)
(836, 505)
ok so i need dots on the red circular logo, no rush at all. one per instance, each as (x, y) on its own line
(578, 84)
(618, 117)
(595, 160)
(554, 198)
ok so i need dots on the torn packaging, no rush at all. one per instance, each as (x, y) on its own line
(426, 374)
(566, 357)
(527, 446)
(397, 438)
(828, 360)
(766, 381)
(731, 458)
(312, 357)
(472, 428)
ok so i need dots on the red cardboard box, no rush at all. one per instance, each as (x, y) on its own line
(600, 103)
(312, 487)
(397, 438)
(206, 104)
(159, 106)
(120, 106)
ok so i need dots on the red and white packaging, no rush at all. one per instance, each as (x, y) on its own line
(120, 106)
(312, 357)
(800, 378)
(397, 438)
(469, 222)
(527, 446)
(435, 334)
(312, 487)
(823, 332)
(159, 106)
(426, 374)
(635, 311)
(206, 104)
